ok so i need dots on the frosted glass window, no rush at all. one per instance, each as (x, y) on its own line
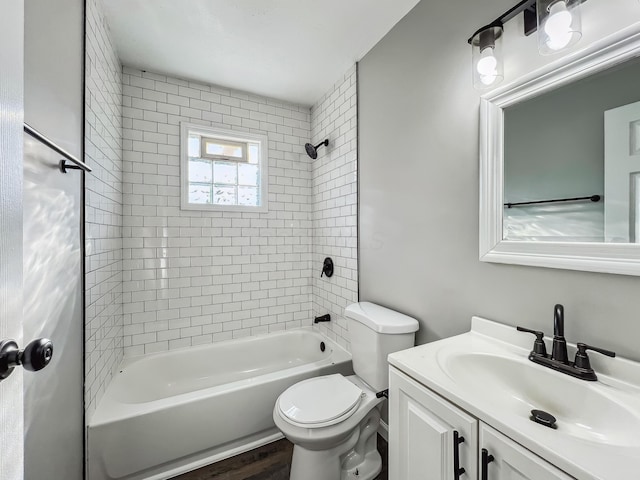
(225, 172)
(223, 169)
(248, 175)
(248, 196)
(254, 153)
(223, 195)
(200, 170)
(200, 194)
(194, 146)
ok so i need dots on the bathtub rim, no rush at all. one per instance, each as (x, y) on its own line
(110, 410)
(128, 360)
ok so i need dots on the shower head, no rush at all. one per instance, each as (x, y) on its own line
(313, 151)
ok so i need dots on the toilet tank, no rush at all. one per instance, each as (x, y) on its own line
(374, 333)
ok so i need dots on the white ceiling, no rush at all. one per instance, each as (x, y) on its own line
(293, 50)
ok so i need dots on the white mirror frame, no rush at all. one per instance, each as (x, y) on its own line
(595, 257)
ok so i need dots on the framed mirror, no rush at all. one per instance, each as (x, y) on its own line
(560, 163)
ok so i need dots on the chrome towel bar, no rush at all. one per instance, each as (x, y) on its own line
(77, 164)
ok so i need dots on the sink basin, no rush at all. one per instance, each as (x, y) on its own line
(512, 385)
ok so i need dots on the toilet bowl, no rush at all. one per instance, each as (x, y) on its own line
(333, 430)
(333, 420)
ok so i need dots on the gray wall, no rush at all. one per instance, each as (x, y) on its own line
(53, 70)
(418, 120)
(53, 83)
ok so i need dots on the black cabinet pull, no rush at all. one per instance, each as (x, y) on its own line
(457, 440)
(486, 460)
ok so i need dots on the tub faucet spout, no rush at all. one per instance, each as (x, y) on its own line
(322, 318)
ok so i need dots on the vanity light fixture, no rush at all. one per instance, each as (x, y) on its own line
(558, 23)
(486, 46)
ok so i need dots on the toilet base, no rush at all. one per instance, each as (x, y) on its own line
(367, 470)
(356, 458)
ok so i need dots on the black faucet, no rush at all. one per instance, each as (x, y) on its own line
(559, 349)
(558, 360)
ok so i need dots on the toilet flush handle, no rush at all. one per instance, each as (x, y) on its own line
(383, 393)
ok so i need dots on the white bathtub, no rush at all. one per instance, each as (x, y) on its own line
(168, 413)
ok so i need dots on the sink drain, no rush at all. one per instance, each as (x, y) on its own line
(543, 418)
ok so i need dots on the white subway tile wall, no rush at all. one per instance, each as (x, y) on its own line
(335, 203)
(159, 278)
(194, 277)
(103, 207)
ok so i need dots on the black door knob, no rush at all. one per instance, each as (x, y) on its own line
(36, 356)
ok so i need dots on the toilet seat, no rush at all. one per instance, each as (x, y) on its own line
(320, 402)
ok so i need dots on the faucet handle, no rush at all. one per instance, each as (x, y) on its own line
(539, 347)
(582, 359)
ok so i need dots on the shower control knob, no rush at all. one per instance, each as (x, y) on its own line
(327, 267)
(36, 356)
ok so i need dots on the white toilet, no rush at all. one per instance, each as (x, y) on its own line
(332, 420)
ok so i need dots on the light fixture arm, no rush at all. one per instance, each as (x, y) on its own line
(496, 23)
(559, 27)
(528, 7)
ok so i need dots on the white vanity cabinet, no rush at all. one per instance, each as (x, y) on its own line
(424, 427)
(510, 461)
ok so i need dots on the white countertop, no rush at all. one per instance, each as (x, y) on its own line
(582, 458)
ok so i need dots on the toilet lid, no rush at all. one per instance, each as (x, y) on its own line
(320, 400)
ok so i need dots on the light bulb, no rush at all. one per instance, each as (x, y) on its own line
(488, 63)
(487, 66)
(486, 50)
(488, 79)
(558, 26)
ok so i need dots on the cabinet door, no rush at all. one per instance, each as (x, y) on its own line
(511, 461)
(421, 433)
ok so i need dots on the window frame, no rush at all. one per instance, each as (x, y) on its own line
(232, 136)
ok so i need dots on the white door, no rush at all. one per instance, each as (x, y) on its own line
(506, 460)
(11, 119)
(422, 431)
(622, 174)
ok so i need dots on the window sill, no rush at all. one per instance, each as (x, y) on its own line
(224, 208)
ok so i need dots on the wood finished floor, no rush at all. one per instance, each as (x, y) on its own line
(271, 462)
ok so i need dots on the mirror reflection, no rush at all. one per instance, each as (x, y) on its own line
(572, 161)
